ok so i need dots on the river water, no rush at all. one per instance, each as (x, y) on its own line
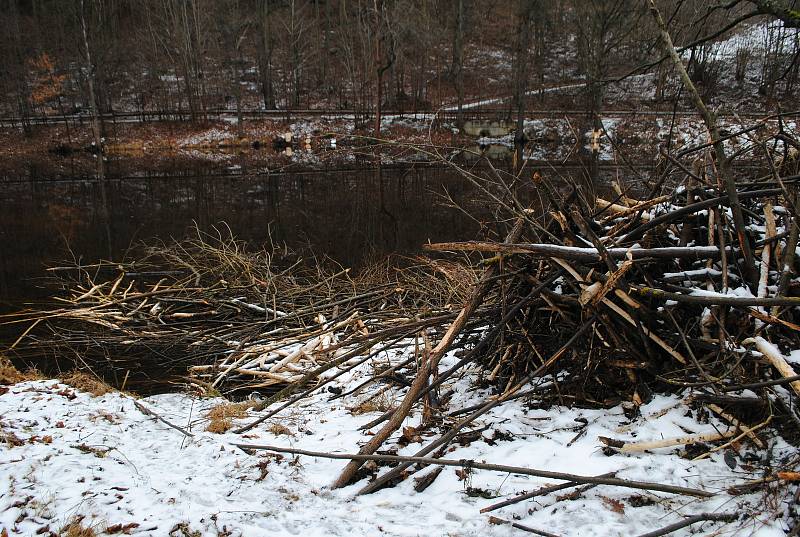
(350, 215)
(347, 214)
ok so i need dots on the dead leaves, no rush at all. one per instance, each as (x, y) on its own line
(613, 505)
(97, 452)
(11, 440)
(124, 529)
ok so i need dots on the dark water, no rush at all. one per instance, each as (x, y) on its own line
(349, 215)
(57, 217)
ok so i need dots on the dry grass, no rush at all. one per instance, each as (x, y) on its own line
(87, 383)
(75, 528)
(278, 429)
(219, 425)
(221, 416)
(379, 403)
(230, 410)
(11, 375)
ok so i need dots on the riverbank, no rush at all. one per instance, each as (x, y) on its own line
(109, 465)
(321, 142)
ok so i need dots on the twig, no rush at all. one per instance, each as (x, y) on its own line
(694, 519)
(150, 413)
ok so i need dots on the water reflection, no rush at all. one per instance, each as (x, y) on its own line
(348, 214)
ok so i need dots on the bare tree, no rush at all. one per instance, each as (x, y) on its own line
(266, 46)
(384, 54)
(178, 27)
(723, 162)
(525, 14)
(89, 68)
(457, 68)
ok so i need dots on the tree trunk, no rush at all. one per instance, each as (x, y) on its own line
(97, 131)
(458, 61)
(265, 55)
(525, 16)
(723, 163)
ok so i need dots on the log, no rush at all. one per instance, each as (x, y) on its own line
(775, 358)
(576, 253)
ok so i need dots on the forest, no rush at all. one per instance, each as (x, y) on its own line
(196, 56)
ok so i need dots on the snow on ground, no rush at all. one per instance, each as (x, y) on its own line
(69, 454)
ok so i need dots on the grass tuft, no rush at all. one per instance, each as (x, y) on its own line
(221, 416)
(87, 383)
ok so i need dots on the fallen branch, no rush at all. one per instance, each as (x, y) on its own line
(577, 253)
(533, 494)
(430, 364)
(517, 525)
(632, 447)
(146, 411)
(464, 463)
(775, 358)
(703, 517)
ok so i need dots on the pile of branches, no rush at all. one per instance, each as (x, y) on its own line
(211, 312)
(685, 281)
(603, 301)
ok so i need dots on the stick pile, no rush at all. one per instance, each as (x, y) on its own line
(208, 313)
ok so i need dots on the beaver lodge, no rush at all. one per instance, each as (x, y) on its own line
(665, 332)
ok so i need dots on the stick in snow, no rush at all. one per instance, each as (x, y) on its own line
(702, 517)
(464, 463)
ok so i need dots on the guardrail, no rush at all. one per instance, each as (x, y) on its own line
(443, 116)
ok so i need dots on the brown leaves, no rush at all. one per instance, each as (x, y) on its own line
(122, 528)
(410, 436)
(46, 84)
(97, 452)
(464, 474)
(614, 505)
(11, 440)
